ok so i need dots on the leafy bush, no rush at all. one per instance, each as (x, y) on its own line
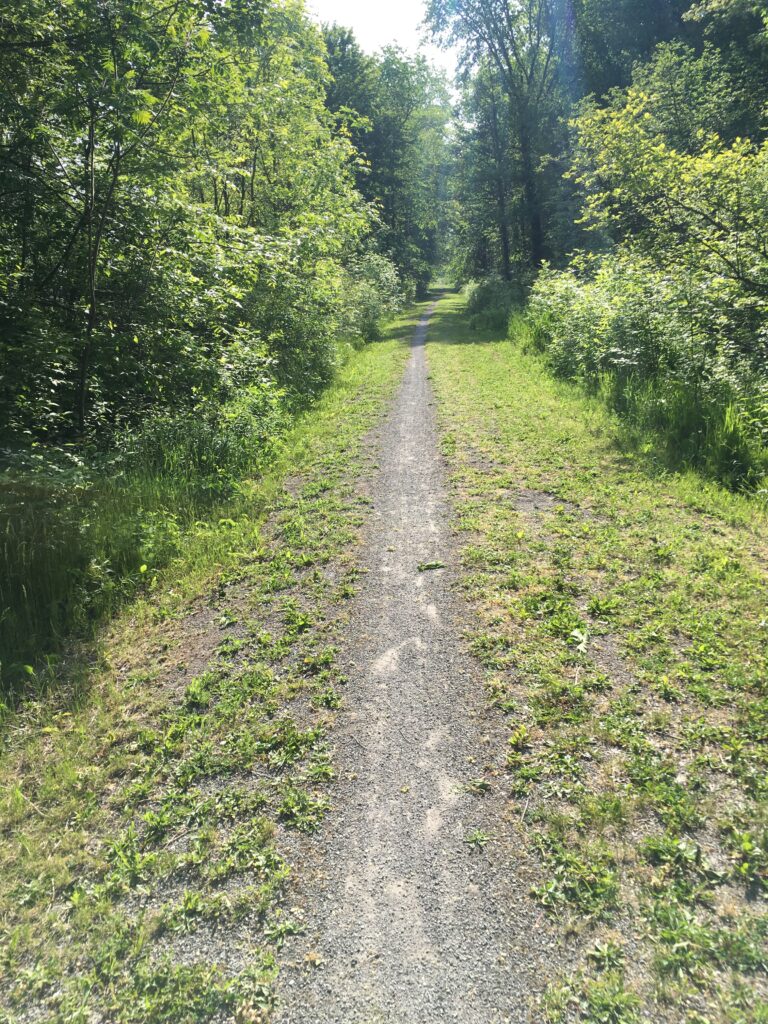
(372, 293)
(672, 325)
(490, 302)
(208, 447)
(657, 346)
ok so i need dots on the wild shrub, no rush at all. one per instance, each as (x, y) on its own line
(652, 343)
(372, 294)
(671, 322)
(490, 302)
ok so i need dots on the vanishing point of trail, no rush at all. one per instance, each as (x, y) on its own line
(406, 924)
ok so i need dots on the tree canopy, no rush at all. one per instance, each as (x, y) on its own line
(624, 144)
(180, 195)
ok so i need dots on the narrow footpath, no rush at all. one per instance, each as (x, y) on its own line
(407, 921)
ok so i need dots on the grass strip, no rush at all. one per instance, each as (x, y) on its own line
(620, 614)
(148, 794)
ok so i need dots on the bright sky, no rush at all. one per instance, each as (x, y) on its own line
(379, 22)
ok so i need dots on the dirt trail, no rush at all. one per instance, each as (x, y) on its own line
(405, 923)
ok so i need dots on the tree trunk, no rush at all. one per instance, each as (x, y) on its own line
(95, 228)
(531, 199)
(501, 193)
(85, 349)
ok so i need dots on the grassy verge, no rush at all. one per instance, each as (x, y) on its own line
(621, 617)
(80, 527)
(146, 806)
(83, 529)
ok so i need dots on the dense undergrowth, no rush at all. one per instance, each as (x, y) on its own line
(646, 341)
(657, 346)
(86, 524)
(149, 798)
(670, 322)
(192, 215)
(83, 530)
(621, 621)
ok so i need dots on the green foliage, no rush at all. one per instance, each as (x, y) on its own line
(485, 236)
(611, 36)
(490, 302)
(702, 211)
(606, 1000)
(663, 174)
(176, 209)
(692, 97)
(183, 239)
(583, 878)
(672, 324)
(644, 338)
(372, 295)
(77, 539)
(395, 108)
(200, 226)
(512, 125)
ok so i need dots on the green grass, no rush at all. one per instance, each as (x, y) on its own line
(143, 797)
(620, 613)
(82, 530)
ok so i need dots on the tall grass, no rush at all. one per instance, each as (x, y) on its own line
(79, 536)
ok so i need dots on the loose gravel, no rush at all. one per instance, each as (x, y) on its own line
(405, 922)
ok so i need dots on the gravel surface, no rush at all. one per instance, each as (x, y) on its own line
(405, 922)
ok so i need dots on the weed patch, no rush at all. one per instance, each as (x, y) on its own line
(620, 615)
(141, 872)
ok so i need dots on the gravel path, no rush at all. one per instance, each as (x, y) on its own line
(405, 922)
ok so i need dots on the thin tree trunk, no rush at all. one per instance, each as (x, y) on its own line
(531, 198)
(501, 196)
(95, 231)
(85, 348)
